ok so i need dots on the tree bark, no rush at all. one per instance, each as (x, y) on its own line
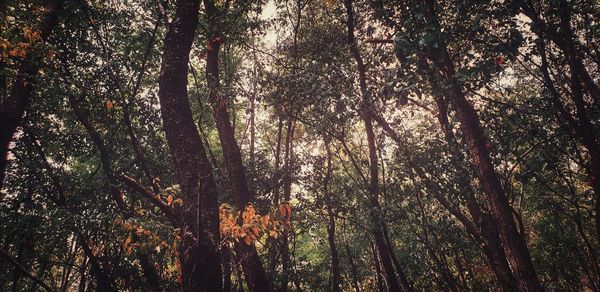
(384, 250)
(515, 245)
(200, 238)
(253, 270)
(486, 233)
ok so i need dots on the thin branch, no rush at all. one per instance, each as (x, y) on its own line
(23, 270)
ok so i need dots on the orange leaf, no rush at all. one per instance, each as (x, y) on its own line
(127, 241)
(170, 199)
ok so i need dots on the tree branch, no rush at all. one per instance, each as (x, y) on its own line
(23, 271)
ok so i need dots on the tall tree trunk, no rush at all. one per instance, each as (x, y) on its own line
(287, 193)
(13, 105)
(515, 245)
(588, 130)
(335, 258)
(200, 238)
(253, 270)
(481, 228)
(376, 214)
(487, 236)
(384, 250)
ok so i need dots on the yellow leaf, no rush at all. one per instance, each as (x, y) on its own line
(178, 202)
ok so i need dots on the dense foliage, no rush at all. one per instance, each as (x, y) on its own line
(366, 145)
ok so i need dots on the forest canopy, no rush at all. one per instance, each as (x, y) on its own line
(299, 145)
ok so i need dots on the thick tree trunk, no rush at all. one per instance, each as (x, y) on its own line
(486, 233)
(253, 270)
(515, 245)
(13, 105)
(514, 242)
(200, 238)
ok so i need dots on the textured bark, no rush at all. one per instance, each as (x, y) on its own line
(486, 232)
(515, 245)
(14, 104)
(199, 255)
(253, 270)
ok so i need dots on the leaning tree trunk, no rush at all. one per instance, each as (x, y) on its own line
(199, 255)
(515, 245)
(486, 233)
(251, 264)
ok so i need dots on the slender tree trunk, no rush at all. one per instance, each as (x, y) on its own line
(17, 272)
(227, 270)
(253, 270)
(588, 130)
(199, 254)
(81, 287)
(287, 193)
(144, 258)
(384, 250)
(335, 258)
(583, 129)
(13, 105)
(353, 268)
(276, 200)
(22, 270)
(379, 278)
